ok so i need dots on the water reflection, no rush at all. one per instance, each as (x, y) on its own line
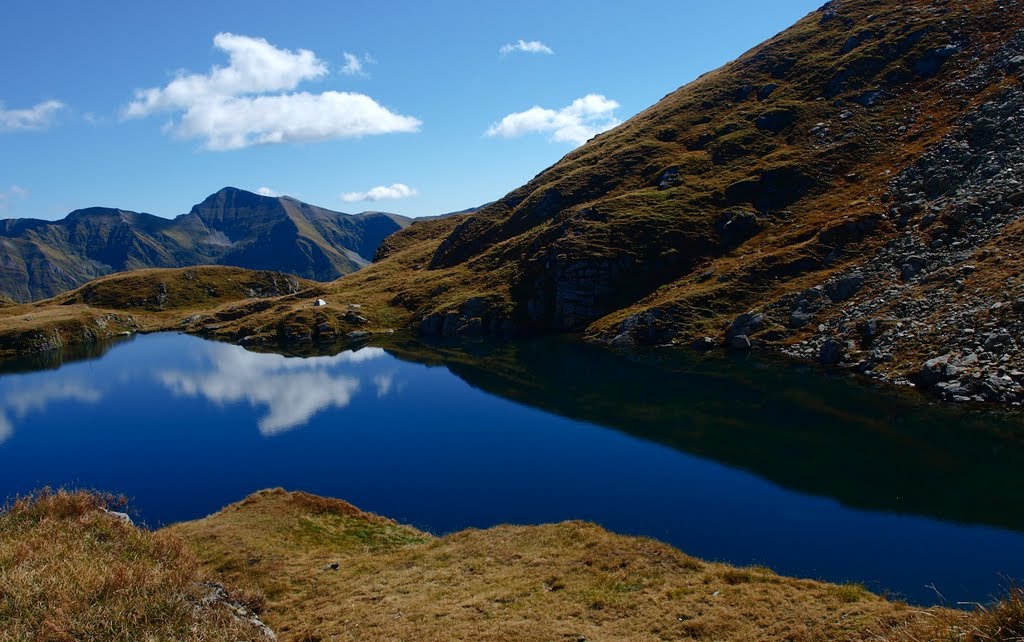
(291, 389)
(746, 461)
(866, 446)
(34, 396)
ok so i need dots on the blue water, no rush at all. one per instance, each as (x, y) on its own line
(743, 462)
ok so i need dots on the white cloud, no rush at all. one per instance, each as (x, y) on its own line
(266, 191)
(291, 389)
(356, 65)
(39, 116)
(533, 46)
(577, 123)
(256, 66)
(247, 103)
(380, 193)
(12, 192)
(94, 119)
(235, 123)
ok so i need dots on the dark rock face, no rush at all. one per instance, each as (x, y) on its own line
(776, 121)
(773, 190)
(736, 226)
(934, 59)
(573, 293)
(475, 318)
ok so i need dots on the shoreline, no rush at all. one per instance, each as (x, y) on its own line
(311, 567)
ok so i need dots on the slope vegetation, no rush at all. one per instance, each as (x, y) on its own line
(297, 567)
(71, 570)
(854, 184)
(39, 259)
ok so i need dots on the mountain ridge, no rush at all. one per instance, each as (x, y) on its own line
(39, 259)
(848, 193)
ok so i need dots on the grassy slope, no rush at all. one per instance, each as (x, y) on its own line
(69, 571)
(144, 300)
(320, 569)
(657, 244)
(569, 581)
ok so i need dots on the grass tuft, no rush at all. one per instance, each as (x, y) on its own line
(71, 571)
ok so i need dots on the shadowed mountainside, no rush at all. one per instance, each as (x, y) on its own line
(39, 259)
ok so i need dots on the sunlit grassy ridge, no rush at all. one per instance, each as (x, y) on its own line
(320, 569)
(561, 581)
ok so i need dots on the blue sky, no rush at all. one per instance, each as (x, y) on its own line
(436, 111)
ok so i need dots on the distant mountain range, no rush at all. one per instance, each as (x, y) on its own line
(39, 259)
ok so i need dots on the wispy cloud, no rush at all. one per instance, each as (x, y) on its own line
(380, 193)
(39, 116)
(579, 122)
(266, 191)
(522, 46)
(252, 101)
(355, 65)
(94, 119)
(13, 192)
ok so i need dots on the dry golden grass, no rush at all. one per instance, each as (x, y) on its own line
(570, 581)
(71, 572)
(321, 569)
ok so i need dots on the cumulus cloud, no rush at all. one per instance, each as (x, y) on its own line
(292, 390)
(579, 122)
(11, 193)
(356, 65)
(380, 193)
(533, 46)
(255, 66)
(39, 116)
(266, 191)
(252, 101)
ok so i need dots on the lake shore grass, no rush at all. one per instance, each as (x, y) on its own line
(315, 568)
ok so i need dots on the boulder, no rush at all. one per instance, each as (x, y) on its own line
(830, 353)
(739, 343)
(744, 325)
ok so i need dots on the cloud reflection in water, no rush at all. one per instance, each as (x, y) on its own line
(292, 389)
(18, 402)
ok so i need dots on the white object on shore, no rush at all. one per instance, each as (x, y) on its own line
(319, 303)
(121, 516)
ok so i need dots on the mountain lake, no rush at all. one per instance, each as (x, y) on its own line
(737, 459)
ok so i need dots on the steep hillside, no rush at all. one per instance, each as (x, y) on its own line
(848, 192)
(854, 184)
(39, 259)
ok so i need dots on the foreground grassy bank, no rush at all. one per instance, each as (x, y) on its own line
(320, 569)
